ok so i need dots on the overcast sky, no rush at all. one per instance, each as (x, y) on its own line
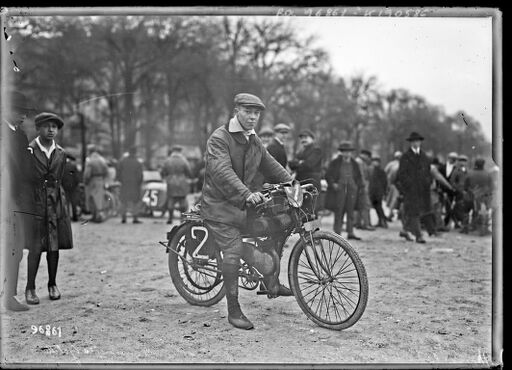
(446, 60)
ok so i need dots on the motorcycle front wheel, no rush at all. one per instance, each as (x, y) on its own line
(199, 282)
(328, 280)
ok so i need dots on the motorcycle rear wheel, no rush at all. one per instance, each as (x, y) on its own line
(329, 281)
(199, 283)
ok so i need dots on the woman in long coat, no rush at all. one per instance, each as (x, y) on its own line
(53, 226)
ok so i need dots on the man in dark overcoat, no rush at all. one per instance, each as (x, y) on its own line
(53, 230)
(377, 190)
(344, 182)
(234, 154)
(18, 201)
(71, 184)
(463, 199)
(363, 203)
(479, 183)
(276, 147)
(448, 197)
(129, 174)
(308, 161)
(413, 181)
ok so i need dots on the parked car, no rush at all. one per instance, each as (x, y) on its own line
(154, 193)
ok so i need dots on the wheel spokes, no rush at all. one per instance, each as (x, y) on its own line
(333, 294)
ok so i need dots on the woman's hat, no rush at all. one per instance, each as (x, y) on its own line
(414, 136)
(48, 117)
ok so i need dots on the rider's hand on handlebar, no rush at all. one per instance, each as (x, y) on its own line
(255, 198)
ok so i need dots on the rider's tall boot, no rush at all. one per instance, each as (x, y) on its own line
(235, 314)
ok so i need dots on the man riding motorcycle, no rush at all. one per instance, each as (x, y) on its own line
(234, 154)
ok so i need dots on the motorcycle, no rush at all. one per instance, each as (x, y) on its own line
(325, 273)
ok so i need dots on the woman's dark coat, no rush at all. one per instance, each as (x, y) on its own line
(53, 226)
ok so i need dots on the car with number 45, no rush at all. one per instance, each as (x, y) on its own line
(154, 193)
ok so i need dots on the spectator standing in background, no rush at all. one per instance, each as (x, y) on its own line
(129, 174)
(18, 183)
(393, 195)
(176, 171)
(463, 199)
(448, 197)
(96, 173)
(413, 182)
(276, 147)
(71, 184)
(479, 183)
(377, 189)
(363, 204)
(344, 180)
(308, 161)
(266, 135)
(53, 231)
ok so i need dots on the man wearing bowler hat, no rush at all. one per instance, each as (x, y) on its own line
(413, 181)
(234, 154)
(18, 184)
(344, 181)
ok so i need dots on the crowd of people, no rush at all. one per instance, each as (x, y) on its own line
(419, 190)
(414, 187)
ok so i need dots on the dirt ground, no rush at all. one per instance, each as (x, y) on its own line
(428, 304)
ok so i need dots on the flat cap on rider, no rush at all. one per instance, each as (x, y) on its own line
(249, 100)
(47, 117)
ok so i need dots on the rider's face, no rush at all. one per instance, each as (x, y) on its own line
(248, 116)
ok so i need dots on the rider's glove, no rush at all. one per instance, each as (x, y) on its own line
(255, 198)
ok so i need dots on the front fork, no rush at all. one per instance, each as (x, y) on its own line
(314, 259)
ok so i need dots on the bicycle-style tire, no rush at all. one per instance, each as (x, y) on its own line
(196, 285)
(335, 298)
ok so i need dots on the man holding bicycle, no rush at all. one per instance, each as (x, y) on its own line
(234, 154)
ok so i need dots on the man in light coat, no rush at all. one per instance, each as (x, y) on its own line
(95, 174)
(177, 172)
